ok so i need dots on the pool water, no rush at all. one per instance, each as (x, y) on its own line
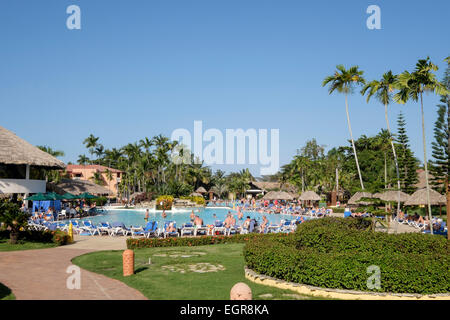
(181, 216)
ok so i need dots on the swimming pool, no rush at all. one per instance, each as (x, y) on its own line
(132, 217)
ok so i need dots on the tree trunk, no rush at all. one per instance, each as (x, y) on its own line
(13, 237)
(353, 142)
(426, 164)
(395, 158)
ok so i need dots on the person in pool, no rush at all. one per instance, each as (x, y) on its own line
(192, 216)
(146, 214)
(164, 215)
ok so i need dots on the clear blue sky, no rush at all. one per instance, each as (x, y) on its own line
(140, 68)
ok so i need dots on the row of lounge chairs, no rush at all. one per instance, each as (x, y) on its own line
(439, 226)
(87, 228)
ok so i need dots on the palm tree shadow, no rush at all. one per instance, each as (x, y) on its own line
(4, 291)
(140, 269)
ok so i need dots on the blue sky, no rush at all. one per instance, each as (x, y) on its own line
(141, 68)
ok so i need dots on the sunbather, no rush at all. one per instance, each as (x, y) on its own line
(170, 228)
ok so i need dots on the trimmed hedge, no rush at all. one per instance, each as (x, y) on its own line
(58, 237)
(336, 252)
(139, 243)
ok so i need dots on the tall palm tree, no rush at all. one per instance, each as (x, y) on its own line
(344, 82)
(91, 143)
(412, 86)
(384, 91)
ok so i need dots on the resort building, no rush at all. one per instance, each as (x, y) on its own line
(107, 177)
(22, 166)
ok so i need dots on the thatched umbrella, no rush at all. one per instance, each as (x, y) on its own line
(200, 190)
(278, 195)
(78, 187)
(354, 200)
(14, 150)
(420, 198)
(309, 196)
(392, 195)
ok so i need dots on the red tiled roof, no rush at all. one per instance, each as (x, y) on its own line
(72, 167)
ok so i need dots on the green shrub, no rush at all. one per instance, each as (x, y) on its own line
(58, 237)
(196, 199)
(335, 253)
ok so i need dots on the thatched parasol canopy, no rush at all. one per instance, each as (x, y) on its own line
(354, 200)
(14, 150)
(200, 190)
(78, 187)
(278, 195)
(309, 196)
(420, 198)
(392, 195)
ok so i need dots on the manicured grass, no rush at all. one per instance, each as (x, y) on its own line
(157, 282)
(24, 245)
(6, 293)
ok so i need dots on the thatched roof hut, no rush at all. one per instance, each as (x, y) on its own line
(278, 195)
(14, 150)
(354, 200)
(420, 198)
(200, 190)
(392, 195)
(77, 187)
(309, 196)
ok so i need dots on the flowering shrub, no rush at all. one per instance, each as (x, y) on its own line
(166, 201)
(137, 243)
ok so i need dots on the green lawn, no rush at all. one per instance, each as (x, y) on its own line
(23, 245)
(170, 276)
(5, 293)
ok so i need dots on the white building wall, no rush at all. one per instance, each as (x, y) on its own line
(22, 186)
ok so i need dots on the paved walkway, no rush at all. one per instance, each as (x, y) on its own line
(41, 274)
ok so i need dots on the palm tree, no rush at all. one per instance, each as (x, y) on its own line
(383, 91)
(91, 143)
(50, 151)
(82, 159)
(412, 86)
(344, 81)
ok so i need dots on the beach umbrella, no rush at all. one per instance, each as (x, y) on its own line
(355, 199)
(53, 196)
(309, 196)
(420, 198)
(278, 195)
(38, 197)
(86, 195)
(200, 190)
(69, 196)
(392, 195)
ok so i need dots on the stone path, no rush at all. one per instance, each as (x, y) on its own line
(41, 274)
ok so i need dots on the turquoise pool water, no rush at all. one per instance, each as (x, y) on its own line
(181, 216)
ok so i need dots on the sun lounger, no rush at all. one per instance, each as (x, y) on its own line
(187, 228)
